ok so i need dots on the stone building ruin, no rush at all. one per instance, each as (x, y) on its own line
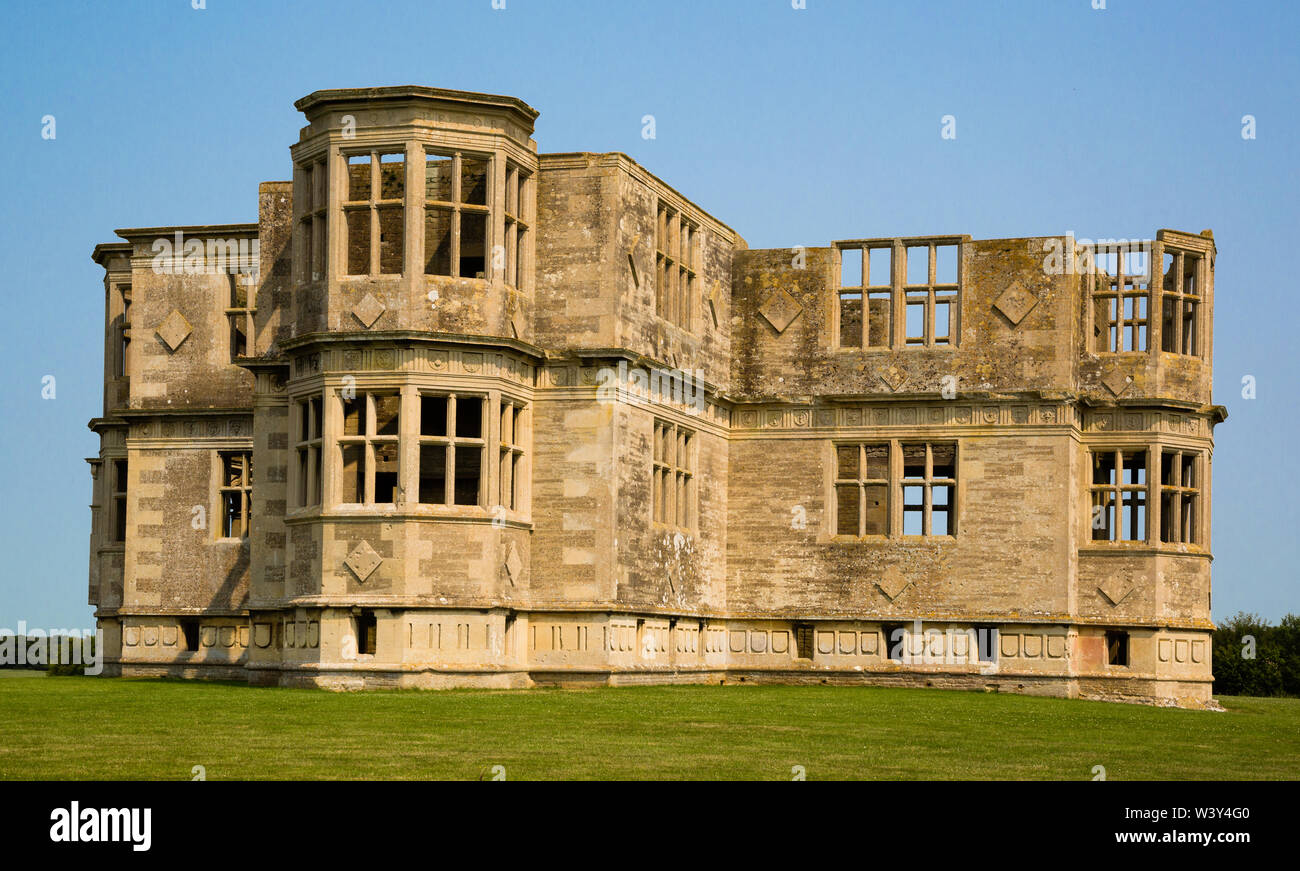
(454, 412)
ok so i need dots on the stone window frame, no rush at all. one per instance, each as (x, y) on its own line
(675, 492)
(511, 456)
(453, 443)
(330, 202)
(517, 214)
(896, 484)
(409, 440)
(457, 207)
(118, 489)
(677, 241)
(1186, 304)
(1169, 292)
(1190, 488)
(1154, 491)
(929, 295)
(858, 480)
(224, 487)
(1124, 327)
(369, 439)
(121, 349)
(239, 313)
(308, 425)
(372, 205)
(1113, 496)
(314, 207)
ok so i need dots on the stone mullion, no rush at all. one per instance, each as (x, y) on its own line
(489, 478)
(408, 445)
(449, 485)
(455, 214)
(413, 214)
(1155, 299)
(331, 452)
(929, 326)
(523, 505)
(895, 488)
(926, 498)
(374, 212)
(670, 476)
(897, 299)
(368, 448)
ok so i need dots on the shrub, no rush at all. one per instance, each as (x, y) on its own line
(1274, 669)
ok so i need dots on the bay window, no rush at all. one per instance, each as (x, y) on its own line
(409, 447)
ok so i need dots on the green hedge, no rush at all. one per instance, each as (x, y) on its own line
(1275, 668)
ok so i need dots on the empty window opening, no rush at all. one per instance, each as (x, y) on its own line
(1180, 304)
(918, 266)
(308, 451)
(119, 500)
(986, 643)
(1117, 648)
(190, 631)
(367, 630)
(893, 637)
(310, 200)
(865, 297)
(368, 448)
(862, 489)
(865, 482)
(916, 326)
(457, 205)
(851, 268)
(945, 264)
(517, 223)
(803, 640)
(510, 457)
(1179, 496)
(235, 492)
(121, 359)
(851, 319)
(673, 471)
(676, 258)
(239, 314)
(374, 213)
(1121, 296)
(929, 489)
(451, 449)
(1119, 494)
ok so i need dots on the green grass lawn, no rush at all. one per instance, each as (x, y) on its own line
(76, 727)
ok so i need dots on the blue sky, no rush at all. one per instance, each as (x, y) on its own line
(793, 126)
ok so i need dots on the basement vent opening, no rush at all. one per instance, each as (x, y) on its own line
(190, 629)
(367, 630)
(1117, 648)
(803, 640)
(893, 641)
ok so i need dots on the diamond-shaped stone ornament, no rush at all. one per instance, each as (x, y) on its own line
(1015, 302)
(368, 310)
(893, 584)
(363, 561)
(1116, 590)
(1116, 381)
(514, 565)
(780, 308)
(893, 377)
(173, 330)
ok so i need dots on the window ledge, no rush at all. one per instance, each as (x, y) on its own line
(910, 539)
(1141, 548)
(462, 514)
